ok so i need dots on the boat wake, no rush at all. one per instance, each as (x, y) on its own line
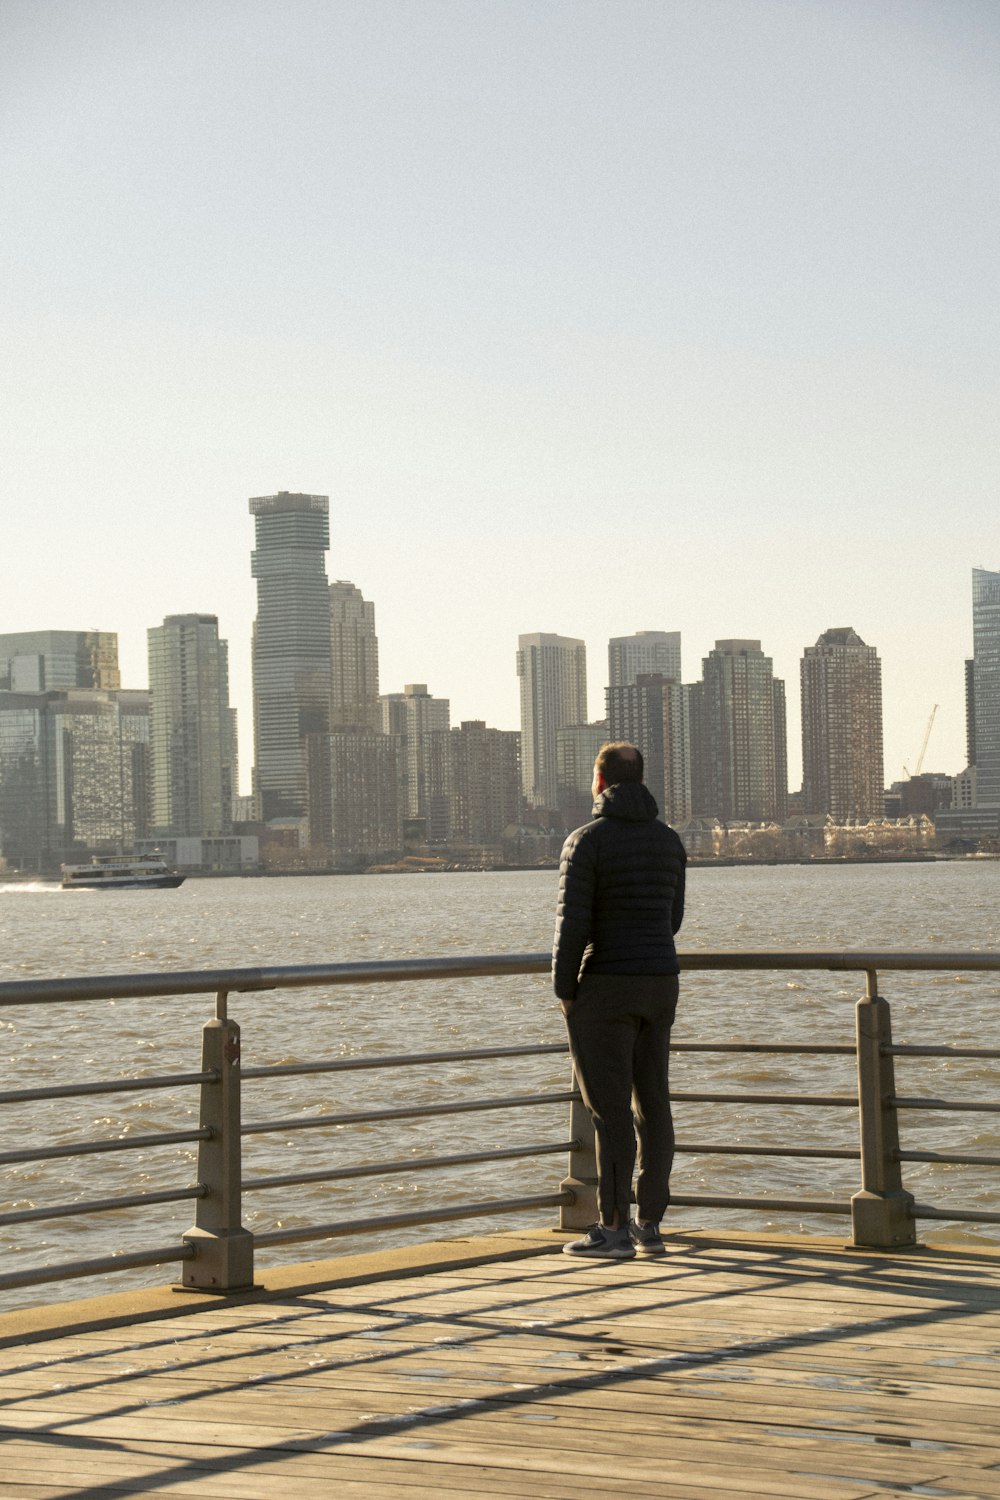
(29, 887)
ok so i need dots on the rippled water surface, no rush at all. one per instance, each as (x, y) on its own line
(45, 933)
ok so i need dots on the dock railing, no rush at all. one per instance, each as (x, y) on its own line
(217, 1253)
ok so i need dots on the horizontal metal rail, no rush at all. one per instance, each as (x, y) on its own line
(96, 1148)
(820, 1049)
(404, 1221)
(960, 1215)
(101, 1205)
(78, 1091)
(402, 1060)
(946, 1049)
(420, 1164)
(108, 1086)
(830, 1153)
(420, 1112)
(778, 1205)
(815, 1101)
(950, 1158)
(973, 1106)
(469, 966)
(69, 1270)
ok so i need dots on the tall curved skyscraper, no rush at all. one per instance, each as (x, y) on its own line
(291, 645)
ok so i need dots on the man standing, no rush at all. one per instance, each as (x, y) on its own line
(614, 970)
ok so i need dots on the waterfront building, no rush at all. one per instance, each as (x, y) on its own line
(38, 661)
(354, 659)
(739, 748)
(191, 728)
(365, 813)
(422, 722)
(643, 654)
(553, 674)
(842, 769)
(485, 782)
(292, 668)
(74, 775)
(654, 713)
(576, 750)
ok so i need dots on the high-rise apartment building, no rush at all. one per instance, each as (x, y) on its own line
(38, 661)
(643, 654)
(354, 652)
(74, 775)
(191, 727)
(553, 673)
(291, 645)
(422, 722)
(365, 814)
(842, 770)
(653, 713)
(486, 782)
(576, 750)
(739, 751)
(986, 685)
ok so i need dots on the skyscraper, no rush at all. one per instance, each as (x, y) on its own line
(354, 648)
(653, 713)
(842, 771)
(986, 685)
(553, 673)
(646, 652)
(738, 736)
(422, 722)
(486, 785)
(291, 644)
(191, 727)
(74, 775)
(37, 661)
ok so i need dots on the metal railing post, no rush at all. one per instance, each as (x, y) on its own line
(880, 1212)
(223, 1259)
(581, 1210)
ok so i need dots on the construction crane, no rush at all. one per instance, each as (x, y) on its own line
(923, 747)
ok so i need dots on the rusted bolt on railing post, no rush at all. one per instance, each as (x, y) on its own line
(223, 1259)
(880, 1212)
(581, 1210)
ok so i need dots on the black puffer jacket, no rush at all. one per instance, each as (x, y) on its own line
(621, 892)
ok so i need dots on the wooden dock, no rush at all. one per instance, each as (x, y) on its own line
(747, 1366)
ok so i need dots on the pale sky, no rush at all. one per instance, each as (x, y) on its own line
(588, 317)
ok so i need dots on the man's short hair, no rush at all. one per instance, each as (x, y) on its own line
(619, 761)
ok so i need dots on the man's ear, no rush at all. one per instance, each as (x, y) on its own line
(600, 782)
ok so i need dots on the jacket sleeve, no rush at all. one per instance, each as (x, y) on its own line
(677, 907)
(574, 914)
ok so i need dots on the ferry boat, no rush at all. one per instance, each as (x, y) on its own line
(118, 872)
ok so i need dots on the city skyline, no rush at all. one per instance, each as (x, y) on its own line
(667, 317)
(335, 592)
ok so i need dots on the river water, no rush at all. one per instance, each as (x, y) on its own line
(47, 933)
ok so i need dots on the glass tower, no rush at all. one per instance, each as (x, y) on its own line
(291, 645)
(986, 685)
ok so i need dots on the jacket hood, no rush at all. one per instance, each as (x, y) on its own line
(626, 799)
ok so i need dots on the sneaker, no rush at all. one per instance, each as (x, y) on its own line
(646, 1238)
(602, 1243)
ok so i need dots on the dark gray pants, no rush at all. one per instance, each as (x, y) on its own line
(619, 1035)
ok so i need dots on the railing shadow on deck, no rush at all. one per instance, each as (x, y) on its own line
(217, 1253)
(956, 1298)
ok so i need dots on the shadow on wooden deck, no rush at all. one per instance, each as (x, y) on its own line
(747, 1366)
